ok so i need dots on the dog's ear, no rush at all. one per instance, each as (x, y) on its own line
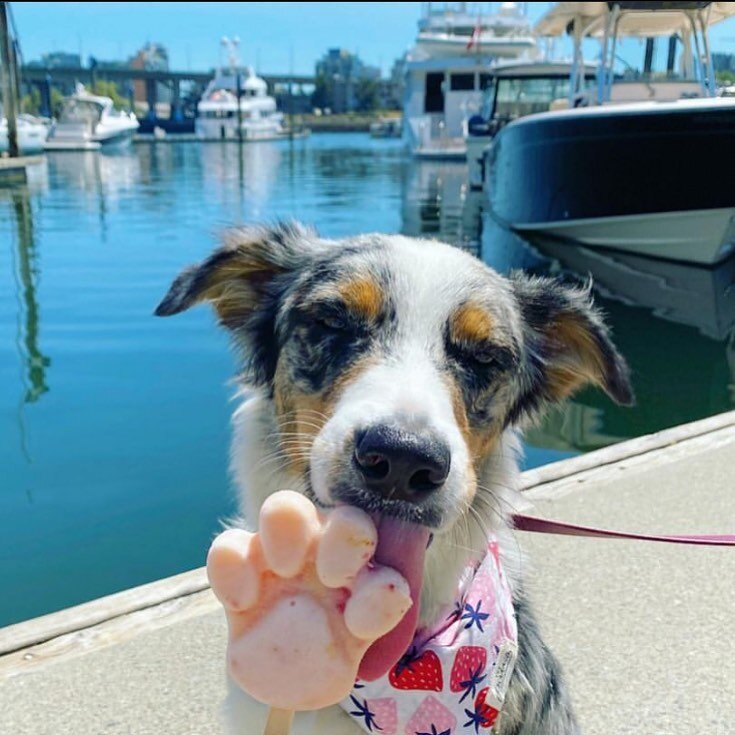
(244, 281)
(567, 343)
(236, 275)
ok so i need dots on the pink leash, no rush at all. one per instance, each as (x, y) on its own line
(544, 525)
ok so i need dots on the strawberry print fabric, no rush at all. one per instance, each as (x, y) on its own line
(453, 678)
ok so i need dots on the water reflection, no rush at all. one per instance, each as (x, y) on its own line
(105, 177)
(675, 323)
(437, 202)
(27, 273)
(241, 172)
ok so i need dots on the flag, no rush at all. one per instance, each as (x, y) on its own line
(475, 37)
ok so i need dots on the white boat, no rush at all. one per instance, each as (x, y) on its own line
(447, 70)
(32, 133)
(640, 160)
(234, 89)
(386, 127)
(90, 122)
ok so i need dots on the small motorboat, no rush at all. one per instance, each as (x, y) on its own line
(90, 122)
(638, 162)
(386, 127)
(32, 133)
(513, 90)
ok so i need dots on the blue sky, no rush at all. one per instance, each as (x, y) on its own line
(379, 32)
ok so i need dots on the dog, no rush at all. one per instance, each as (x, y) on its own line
(396, 374)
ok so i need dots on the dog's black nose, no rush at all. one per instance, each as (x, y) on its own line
(401, 465)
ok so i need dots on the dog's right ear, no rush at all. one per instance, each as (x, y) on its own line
(236, 275)
(244, 280)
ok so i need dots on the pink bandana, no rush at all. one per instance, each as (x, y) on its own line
(453, 678)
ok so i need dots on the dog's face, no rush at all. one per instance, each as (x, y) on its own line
(395, 365)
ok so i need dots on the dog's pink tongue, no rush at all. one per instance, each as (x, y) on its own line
(401, 546)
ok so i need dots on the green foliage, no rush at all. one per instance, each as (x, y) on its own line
(109, 89)
(366, 95)
(31, 103)
(725, 77)
(322, 95)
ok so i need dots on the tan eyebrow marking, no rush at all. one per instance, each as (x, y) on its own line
(471, 323)
(363, 296)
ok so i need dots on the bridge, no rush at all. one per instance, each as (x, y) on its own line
(45, 78)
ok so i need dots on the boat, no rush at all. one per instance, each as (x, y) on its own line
(386, 127)
(90, 122)
(514, 90)
(233, 89)
(446, 71)
(640, 162)
(32, 133)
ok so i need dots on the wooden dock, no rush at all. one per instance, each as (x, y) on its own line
(13, 170)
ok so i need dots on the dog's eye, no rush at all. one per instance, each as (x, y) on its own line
(331, 318)
(332, 321)
(484, 357)
(483, 354)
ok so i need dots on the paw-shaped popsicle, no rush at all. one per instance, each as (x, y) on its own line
(303, 603)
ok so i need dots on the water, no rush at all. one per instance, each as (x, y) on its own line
(114, 425)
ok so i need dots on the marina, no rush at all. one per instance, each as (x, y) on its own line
(498, 131)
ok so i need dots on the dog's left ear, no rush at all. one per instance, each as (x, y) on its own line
(244, 281)
(568, 344)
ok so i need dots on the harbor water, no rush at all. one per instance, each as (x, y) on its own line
(114, 425)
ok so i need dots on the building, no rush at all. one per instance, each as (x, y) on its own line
(341, 77)
(152, 56)
(58, 60)
(393, 88)
(723, 62)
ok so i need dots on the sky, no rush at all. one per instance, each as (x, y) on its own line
(269, 32)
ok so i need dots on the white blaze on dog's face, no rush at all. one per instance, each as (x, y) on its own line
(394, 365)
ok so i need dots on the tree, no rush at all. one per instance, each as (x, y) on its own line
(322, 95)
(31, 103)
(366, 95)
(104, 88)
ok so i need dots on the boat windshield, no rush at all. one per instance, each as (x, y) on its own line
(656, 59)
(508, 98)
(80, 111)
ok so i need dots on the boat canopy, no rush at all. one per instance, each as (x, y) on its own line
(642, 19)
(536, 69)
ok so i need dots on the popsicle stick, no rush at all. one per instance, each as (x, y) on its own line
(279, 721)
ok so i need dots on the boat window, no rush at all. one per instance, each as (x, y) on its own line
(525, 96)
(80, 111)
(651, 59)
(434, 97)
(462, 82)
(486, 81)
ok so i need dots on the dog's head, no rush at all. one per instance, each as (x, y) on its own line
(395, 365)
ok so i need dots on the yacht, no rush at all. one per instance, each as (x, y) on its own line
(90, 122)
(217, 113)
(640, 161)
(447, 70)
(32, 133)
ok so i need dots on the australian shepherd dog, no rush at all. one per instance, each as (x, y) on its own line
(395, 374)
